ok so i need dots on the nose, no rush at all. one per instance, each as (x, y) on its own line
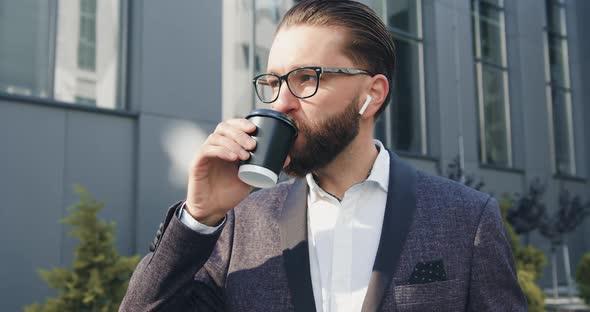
(286, 103)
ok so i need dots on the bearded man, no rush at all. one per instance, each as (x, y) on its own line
(357, 229)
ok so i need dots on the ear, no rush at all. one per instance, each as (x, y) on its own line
(378, 88)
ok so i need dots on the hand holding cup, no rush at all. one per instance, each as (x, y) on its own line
(213, 184)
(214, 187)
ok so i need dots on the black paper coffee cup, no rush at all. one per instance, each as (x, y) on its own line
(275, 133)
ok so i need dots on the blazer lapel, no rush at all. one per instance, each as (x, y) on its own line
(398, 217)
(293, 224)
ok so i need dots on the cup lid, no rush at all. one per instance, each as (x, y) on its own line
(274, 114)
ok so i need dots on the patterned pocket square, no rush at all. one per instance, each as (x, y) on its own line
(428, 272)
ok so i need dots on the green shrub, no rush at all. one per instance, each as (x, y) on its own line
(529, 262)
(530, 259)
(583, 277)
(532, 292)
(506, 203)
(99, 277)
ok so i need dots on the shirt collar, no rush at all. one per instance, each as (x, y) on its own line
(314, 189)
(380, 171)
(378, 174)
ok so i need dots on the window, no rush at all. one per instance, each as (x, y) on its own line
(25, 54)
(87, 37)
(491, 70)
(559, 93)
(55, 53)
(404, 123)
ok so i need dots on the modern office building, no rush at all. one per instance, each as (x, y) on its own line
(118, 95)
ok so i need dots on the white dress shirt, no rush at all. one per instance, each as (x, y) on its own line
(195, 225)
(343, 237)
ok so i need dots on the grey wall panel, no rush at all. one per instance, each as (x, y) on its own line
(100, 156)
(576, 37)
(528, 88)
(514, 84)
(134, 70)
(166, 147)
(433, 122)
(446, 76)
(528, 18)
(501, 182)
(584, 49)
(455, 82)
(181, 59)
(31, 187)
(466, 83)
(579, 102)
(448, 3)
(429, 166)
(583, 46)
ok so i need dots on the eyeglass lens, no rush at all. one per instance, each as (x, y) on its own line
(302, 83)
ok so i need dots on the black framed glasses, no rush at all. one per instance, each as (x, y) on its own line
(303, 82)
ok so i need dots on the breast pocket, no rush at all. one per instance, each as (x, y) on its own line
(436, 296)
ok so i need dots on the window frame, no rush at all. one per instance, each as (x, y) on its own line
(122, 82)
(419, 41)
(480, 62)
(87, 43)
(552, 85)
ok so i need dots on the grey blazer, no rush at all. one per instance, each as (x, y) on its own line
(443, 247)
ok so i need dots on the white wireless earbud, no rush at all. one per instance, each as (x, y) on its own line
(367, 102)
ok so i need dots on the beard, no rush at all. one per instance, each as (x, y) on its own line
(324, 142)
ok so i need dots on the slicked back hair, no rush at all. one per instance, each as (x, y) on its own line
(369, 43)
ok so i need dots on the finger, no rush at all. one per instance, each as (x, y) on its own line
(212, 151)
(223, 141)
(236, 134)
(243, 124)
(287, 161)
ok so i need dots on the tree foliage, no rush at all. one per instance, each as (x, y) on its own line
(583, 277)
(99, 275)
(529, 262)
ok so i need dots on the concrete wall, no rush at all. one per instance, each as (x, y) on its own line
(45, 151)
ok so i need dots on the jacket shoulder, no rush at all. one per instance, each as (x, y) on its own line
(439, 193)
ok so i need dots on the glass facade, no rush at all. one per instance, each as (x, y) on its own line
(70, 51)
(559, 93)
(491, 70)
(25, 55)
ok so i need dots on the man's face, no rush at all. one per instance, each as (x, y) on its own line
(329, 120)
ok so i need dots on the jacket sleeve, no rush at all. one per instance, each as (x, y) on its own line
(493, 283)
(184, 272)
